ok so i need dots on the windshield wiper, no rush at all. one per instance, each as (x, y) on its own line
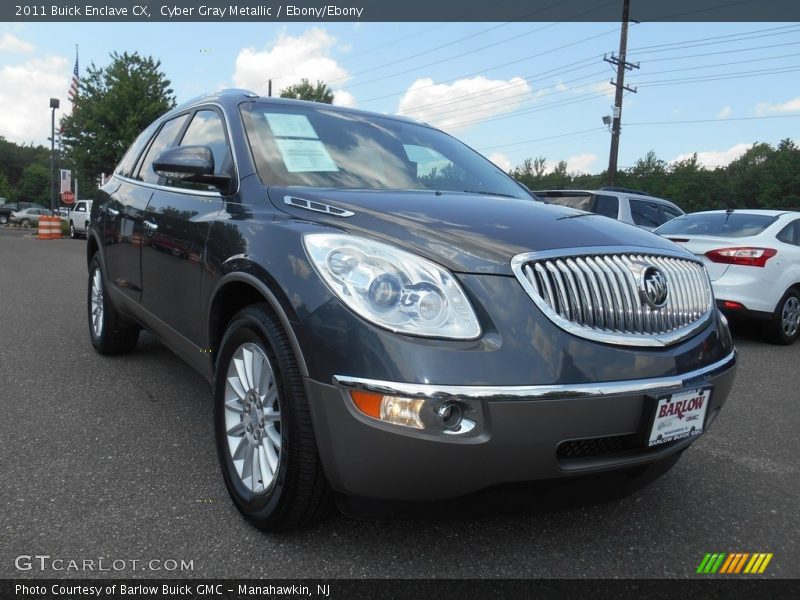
(488, 193)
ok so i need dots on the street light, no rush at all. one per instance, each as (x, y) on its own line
(54, 104)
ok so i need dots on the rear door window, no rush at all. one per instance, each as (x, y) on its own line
(790, 234)
(608, 206)
(645, 213)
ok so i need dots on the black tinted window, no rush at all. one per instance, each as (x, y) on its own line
(608, 206)
(645, 213)
(789, 234)
(128, 163)
(164, 139)
(207, 129)
(718, 224)
(669, 213)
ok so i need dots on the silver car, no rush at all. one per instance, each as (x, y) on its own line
(29, 216)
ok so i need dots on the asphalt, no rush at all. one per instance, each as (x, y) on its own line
(114, 458)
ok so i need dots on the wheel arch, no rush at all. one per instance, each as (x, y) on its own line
(236, 291)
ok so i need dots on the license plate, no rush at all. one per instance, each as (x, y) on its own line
(679, 416)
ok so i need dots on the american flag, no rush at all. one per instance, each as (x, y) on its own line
(73, 88)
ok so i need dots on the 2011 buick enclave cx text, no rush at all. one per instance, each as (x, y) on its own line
(384, 314)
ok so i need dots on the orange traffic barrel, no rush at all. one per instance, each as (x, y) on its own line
(49, 228)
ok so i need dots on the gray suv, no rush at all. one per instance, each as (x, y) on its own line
(382, 313)
(629, 206)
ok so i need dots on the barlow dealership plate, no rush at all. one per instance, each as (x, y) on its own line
(679, 415)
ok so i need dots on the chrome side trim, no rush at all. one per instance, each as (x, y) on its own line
(538, 392)
(315, 206)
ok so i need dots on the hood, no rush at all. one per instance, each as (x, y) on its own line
(467, 233)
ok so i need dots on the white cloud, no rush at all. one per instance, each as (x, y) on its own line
(580, 163)
(290, 59)
(464, 102)
(501, 160)
(725, 112)
(25, 97)
(343, 98)
(11, 43)
(716, 158)
(763, 108)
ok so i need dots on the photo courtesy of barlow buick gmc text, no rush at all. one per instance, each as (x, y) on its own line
(404, 300)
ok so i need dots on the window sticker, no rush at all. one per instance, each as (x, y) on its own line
(295, 126)
(303, 156)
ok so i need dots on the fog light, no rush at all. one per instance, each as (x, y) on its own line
(450, 415)
(390, 409)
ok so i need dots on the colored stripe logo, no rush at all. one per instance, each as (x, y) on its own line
(734, 563)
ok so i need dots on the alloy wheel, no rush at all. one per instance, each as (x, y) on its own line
(97, 303)
(790, 316)
(253, 417)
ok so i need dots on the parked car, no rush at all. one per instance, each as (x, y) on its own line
(383, 313)
(29, 216)
(753, 259)
(10, 207)
(79, 218)
(628, 206)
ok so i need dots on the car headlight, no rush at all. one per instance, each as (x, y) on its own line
(392, 288)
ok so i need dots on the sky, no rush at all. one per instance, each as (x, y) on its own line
(510, 90)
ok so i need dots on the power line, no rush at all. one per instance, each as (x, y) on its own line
(720, 77)
(549, 137)
(693, 121)
(481, 71)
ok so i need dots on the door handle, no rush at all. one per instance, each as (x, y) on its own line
(150, 226)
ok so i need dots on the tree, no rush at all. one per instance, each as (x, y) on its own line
(114, 105)
(319, 92)
(6, 191)
(34, 186)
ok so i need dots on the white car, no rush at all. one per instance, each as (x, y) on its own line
(79, 218)
(629, 206)
(753, 260)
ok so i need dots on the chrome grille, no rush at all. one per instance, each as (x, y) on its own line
(603, 295)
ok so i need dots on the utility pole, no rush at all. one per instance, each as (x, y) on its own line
(269, 88)
(622, 66)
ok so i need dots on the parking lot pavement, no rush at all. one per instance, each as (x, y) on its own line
(114, 458)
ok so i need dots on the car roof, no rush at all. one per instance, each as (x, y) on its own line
(233, 97)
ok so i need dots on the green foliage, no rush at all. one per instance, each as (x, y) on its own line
(763, 177)
(34, 186)
(6, 190)
(14, 159)
(115, 104)
(319, 92)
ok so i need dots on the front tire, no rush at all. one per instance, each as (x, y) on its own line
(784, 327)
(3, 219)
(265, 439)
(72, 234)
(107, 331)
(25, 222)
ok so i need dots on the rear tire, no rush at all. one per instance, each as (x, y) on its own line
(784, 327)
(107, 330)
(3, 219)
(72, 234)
(265, 439)
(25, 222)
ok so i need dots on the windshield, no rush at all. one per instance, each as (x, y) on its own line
(320, 147)
(722, 224)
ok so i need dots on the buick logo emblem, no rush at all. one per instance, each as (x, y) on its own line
(653, 287)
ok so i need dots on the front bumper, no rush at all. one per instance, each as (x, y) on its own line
(520, 434)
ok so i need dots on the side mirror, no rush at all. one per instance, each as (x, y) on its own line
(194, 164)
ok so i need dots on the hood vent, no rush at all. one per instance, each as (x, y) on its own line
(315, 206)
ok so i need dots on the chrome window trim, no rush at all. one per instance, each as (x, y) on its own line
(539, 392)
(623, 339)
(169, 116)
